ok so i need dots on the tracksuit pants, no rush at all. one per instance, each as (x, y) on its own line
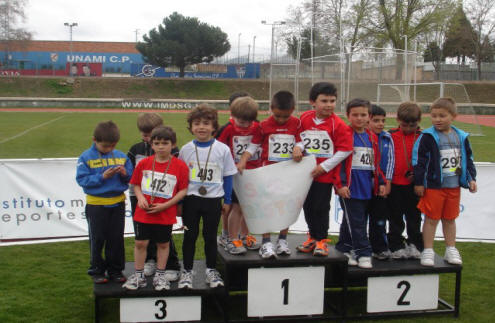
(353, 234)
(317, 209)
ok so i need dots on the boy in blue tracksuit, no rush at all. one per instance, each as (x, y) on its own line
(104, 175)
(378, 207)
(443, 163)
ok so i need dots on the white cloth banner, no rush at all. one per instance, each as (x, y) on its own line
(272, 197)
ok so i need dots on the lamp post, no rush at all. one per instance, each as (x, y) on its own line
(239, 48)
(254, 43)
(70, 25)
(273, 24)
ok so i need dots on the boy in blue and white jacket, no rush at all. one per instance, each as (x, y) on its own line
(378, 207)
(104, 175)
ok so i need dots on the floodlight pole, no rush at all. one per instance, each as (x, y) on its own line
(273, 24)
(239, 48)
(254, 44)
(70, 25)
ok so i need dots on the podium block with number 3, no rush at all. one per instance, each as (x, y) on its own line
(285, 291)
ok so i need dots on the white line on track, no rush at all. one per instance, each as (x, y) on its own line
(28, 130)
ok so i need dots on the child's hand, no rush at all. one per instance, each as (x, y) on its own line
(419, 190)
(156, 208)
(388, 188)
(110, 172)
(317, 171)
(344, 192)
(226, 208)
(381, 190)
(143, 203)
(240, 167)
(121, 170)
(297, 154)
(473, 188)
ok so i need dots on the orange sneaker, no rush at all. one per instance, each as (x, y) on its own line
(321, 248)
(308, 245)
(250, 242)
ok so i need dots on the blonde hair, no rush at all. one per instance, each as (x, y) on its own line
(446, 103)
(244, 108)
(146, 121)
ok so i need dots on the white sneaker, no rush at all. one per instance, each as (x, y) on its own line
(399, 254)
(235, 247)
(351, 258)
(282, 247)
(412, 252)
(452, 256)
(428, 257)
(172, 275)
(149, 268)
(222, 241)
(213, 278)
(186, 278)
(134, 282)
(266, 251)
(160, 282)
(365, 262)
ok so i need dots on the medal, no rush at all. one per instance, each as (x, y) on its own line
(458, 171)
(202, 190)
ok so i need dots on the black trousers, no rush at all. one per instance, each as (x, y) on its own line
(402, 203)
(378, 214)
(173, 258)
(106, 233)
(317, 209)
(196, 208)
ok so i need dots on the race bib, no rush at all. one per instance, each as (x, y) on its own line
(208, 176)
(157, 185)
(362, 158)
(240, 144)
(450, 160)
(280, 147)
(317, 143)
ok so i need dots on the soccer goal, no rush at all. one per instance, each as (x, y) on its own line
(391, 95)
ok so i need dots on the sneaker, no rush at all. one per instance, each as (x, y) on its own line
(428, 257)
(282, 247)
(100, 279)
(235, 247)
(365, 262)
(186, 277)
(266, 251)
(351, 258)
(160, 282)
(172, 275)
(222, 241)
(452, 256)
(150, 267)
(383, 255)
(412, 252)
(399, 254)
(213, 278)
(308, 245)
(118, 277)
(250, 242)
(134, 282)
(321, 248)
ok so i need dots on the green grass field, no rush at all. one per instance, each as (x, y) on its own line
(48, 282)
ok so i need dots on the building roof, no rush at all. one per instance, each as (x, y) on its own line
(77, 46)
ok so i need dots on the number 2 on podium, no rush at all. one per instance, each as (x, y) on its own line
(285, 286)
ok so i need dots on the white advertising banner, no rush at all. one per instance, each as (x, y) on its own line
(272, 197)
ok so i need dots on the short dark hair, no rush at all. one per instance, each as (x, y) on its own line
(377, 110)
(283, 100)
(238, 94)
(244, 108)
(165, 133)
(409, 112)
(325, 88)
(203, 111)
(146, 121)
(354, 103)
(106, 131)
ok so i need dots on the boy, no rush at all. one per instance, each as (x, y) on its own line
(237, 134)
(160, 182)
(104, 172)
(277, 137)
(327, 137)
(358, 178)
(443, 161)
(211, 169)
(146, 122)
(378, 207)
(402, 200)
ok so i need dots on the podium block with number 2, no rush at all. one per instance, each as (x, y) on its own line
(285, 291)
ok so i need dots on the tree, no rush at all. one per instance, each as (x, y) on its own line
(320, 44)
(11, 13)
(433, 53)
(181, 41)
(459, 37)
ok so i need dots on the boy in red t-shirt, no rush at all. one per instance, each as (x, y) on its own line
(237, 134)
(160, 182)
(277, 137)
(329, 139)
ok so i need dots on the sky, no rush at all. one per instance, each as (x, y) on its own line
(117, 20)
